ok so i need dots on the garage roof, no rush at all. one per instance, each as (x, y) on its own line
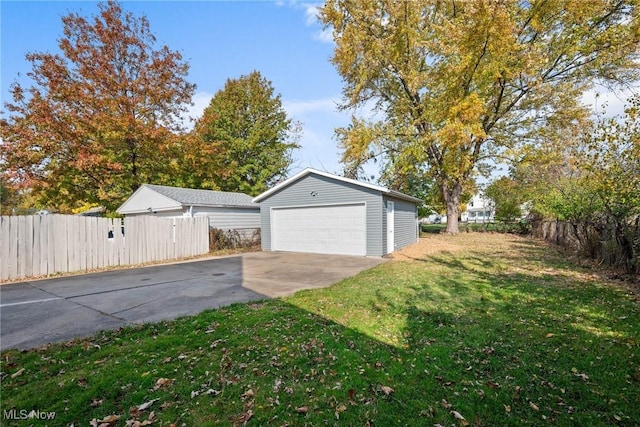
(195, 197)
(308, 171)
(149, 197)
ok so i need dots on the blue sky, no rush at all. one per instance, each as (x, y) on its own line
(220, 40)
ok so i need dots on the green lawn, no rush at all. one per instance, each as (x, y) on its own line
(491, 330)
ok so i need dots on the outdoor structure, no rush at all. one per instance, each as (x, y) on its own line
(96, 211)
(479, 209)
(225, 210)
(42, 245)
(318, 212)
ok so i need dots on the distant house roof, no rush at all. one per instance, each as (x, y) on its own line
(95, 211)
(193, 197)
(158, 198)
(308, 171)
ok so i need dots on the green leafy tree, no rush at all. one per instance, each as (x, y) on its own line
(9, 198)
(612, 163)
(507, 198)
(458, 83)
(246, 137)
(100, 116)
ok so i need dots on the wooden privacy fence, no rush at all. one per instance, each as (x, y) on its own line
(43, 245)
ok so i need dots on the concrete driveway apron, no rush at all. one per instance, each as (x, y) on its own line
(38, 312)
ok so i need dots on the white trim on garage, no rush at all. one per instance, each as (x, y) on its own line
(326, 229)
(309, 171)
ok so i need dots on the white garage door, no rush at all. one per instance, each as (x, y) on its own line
(339, 229)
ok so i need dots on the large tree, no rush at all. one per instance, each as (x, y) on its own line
(98, 119)
(458, 82)
(244, 139)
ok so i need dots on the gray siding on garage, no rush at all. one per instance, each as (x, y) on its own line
(221, 218)
(315, 189)
(230, 218)
(405, 223)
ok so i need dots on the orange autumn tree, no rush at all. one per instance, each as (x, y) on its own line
(101, 115)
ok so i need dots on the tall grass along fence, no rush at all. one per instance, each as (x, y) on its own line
(239, 238)
(616, 245)
(44, 245)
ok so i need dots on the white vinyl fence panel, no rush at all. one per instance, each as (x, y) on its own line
(33, 246)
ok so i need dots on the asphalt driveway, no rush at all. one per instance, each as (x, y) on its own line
(52, 310)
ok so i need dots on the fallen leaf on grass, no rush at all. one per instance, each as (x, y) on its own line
(492, 384)
(136, 423)
(162, 382)
(136, 411)
(461, 420)
(386, 389)
(145, 405)
(549, 335)
(18, 373)
(534, 406)
(445, 383)
(583, 377)
(302, 409)
(243, 418)
(107, 421)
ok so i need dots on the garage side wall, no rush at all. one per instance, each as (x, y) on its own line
(317, 190)
(405, 223)
(230, 218)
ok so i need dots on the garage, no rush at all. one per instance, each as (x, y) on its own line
(318, 212)
(333, 229)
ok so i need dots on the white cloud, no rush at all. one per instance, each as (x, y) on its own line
(200, 101)
(312, 19)
(324, 36)
(319, 117)
(300, 108)
(312, 13)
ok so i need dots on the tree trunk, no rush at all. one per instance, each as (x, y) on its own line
(451, 192)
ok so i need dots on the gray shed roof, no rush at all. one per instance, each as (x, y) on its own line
(307, 171)
(190, 196)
